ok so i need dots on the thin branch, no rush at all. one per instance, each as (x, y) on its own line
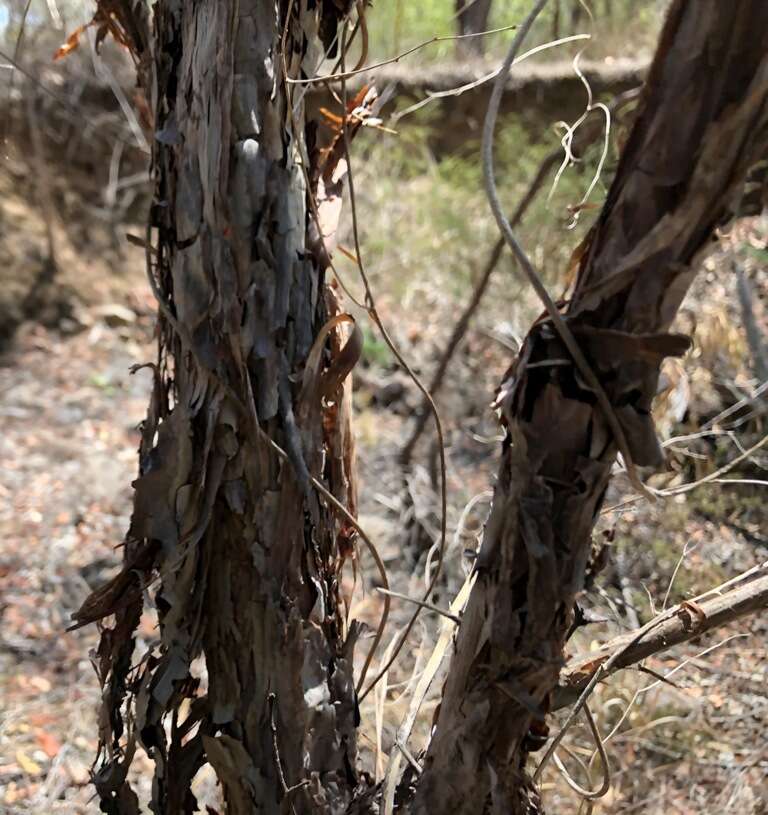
(99, 130)
(669, 629)
(103, 70)
(460, 329)
(716, 474)
(571, 130)
(602, 664)
(13, 67)
(712, 478)
(679, 667)
(672, 579)
(729, 411)
(476, 83)
(422, 604)
(349, 74)
(287, 791)
(370, 307)
(447, 629)
(602, 790)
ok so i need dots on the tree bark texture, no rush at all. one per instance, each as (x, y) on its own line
(472, 18)
(702, 122)
(238, 550)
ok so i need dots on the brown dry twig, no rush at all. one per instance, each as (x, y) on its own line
(370, 306)
(602, 790)
(670, 628)
(343, 75)
(432, 96)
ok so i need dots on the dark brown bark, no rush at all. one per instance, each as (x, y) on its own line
(472, 18)
(703, 120)
(241, 553)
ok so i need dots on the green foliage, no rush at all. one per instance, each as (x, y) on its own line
(760, 254)
(425, 222)
(102, 382)
(621, 27)
(375, 350)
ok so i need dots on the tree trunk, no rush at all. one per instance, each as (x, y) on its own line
(703, 120)
(556, 20)
(577, 14)
(233, 536)
(472, 18)
(242, 555)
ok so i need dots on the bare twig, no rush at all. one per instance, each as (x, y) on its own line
(667, 630)
(676, 625)
(712, 478)
(686, 549)
(105, 72)
(664, 678)
(105, 132)
(601, 791)
(734, 408)
(716, 474)
(476, 83)
(13, 66)
(287, 791)
(460, 329)
(342, 75)
(571, 130)
(447, 629)
(370, 307)
(422, 604)
(43, 190)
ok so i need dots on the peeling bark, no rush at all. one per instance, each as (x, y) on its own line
(233, 543)
(702, 122)
(241, 555)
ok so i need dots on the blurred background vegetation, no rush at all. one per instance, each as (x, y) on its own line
(623, 28)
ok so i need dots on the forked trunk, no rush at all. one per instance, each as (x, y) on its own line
(703, 120)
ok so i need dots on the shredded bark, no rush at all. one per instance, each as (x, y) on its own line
(703, 122)
(238, 553)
